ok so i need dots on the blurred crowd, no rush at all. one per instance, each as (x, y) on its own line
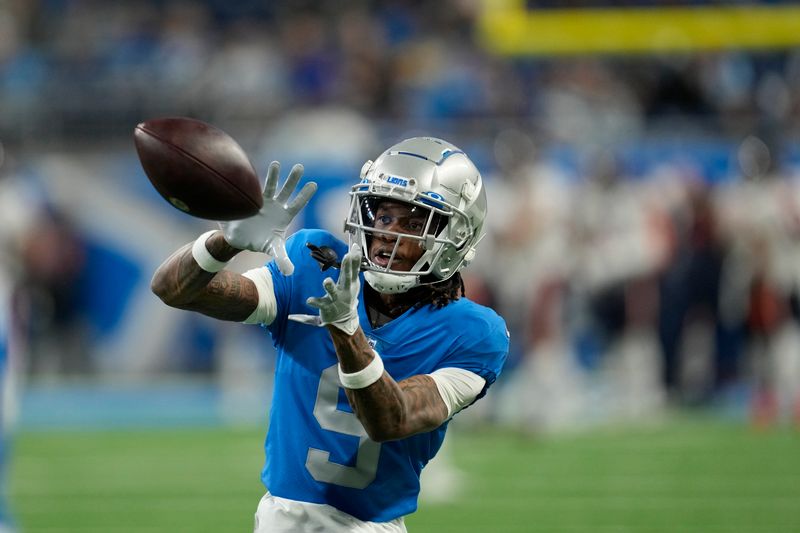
(627, 285)
(625, 295)
(91, 68)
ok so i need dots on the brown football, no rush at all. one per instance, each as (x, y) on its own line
(198, 168)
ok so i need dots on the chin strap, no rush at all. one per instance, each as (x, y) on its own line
(390, 283)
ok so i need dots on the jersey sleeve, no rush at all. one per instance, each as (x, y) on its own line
(481, 347)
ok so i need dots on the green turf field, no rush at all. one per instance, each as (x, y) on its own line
(685, 476)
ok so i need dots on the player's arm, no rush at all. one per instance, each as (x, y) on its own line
(193, 277)
(388, 409)
(182, 282)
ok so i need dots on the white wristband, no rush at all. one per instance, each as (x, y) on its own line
(364, 377)
(203, 257)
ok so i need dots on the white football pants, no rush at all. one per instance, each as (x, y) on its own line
(279, 515)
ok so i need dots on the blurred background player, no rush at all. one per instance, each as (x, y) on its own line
(19, 211)
(412, 351)
(5, 408)
(5, 518)
(9, 367)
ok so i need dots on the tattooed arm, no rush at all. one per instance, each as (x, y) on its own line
(181, 283)
(388, 409)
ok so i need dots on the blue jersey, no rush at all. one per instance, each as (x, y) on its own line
(316, 449)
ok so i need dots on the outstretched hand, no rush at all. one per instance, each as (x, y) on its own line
(266, 230)
(339, 305)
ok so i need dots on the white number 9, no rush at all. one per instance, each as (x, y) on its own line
(330, 418)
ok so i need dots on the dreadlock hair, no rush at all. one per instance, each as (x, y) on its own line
(443, 292)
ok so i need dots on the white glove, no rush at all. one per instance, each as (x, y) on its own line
(339, 307)
(266, 230)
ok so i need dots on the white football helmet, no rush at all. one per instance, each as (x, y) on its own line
(436, 179)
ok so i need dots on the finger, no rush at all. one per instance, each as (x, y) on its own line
(302, 198)
(350, 269)
(353, 262)
(318, 303)
(355, 250)
(353, 255)
(290, 185)
(330, 288)
(278, 248)
(272, 179)
(345, 277)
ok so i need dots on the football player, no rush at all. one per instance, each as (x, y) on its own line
(18, 211)
(4, 377)
(373, 364)
(9, 353)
